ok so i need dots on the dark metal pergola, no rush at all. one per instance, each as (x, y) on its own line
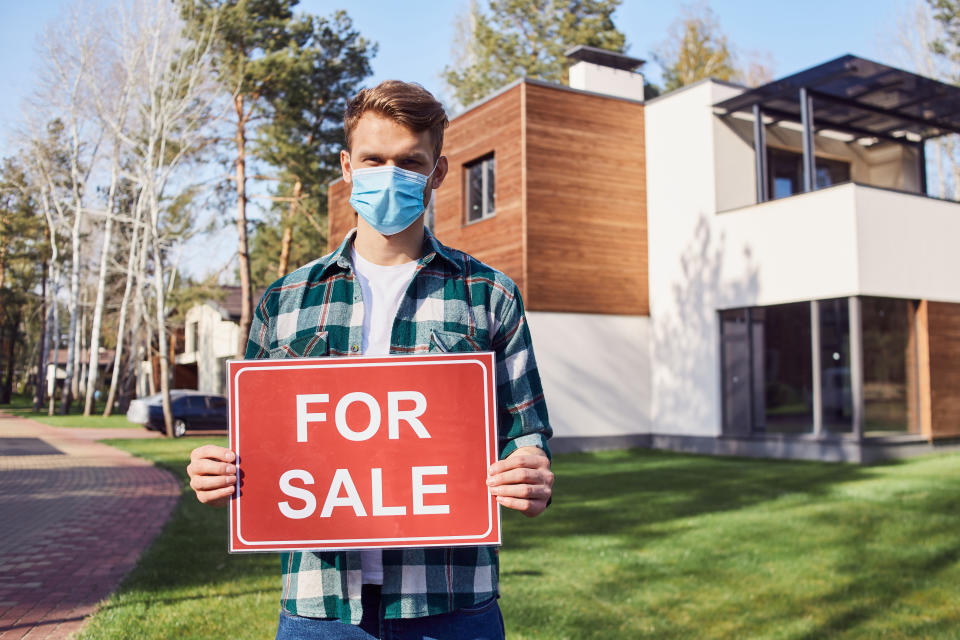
(855, 96)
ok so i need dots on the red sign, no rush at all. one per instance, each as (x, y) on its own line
(353, 453)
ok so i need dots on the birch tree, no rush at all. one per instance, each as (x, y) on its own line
(70, 49)
(48, 170)
(172, 102)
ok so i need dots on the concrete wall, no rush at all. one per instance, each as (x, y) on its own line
(907, 245)
(595, 371)
(685, 260)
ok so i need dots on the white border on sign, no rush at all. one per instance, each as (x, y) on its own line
(235, 446)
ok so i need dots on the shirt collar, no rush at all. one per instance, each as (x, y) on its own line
(431, 248)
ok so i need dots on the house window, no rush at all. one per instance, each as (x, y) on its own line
(786, 172)
(480, 188)
(768, 367)
(191, 337)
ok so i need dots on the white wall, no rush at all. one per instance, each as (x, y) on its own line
(686, 255)
(595, 371)
(216, 340)
(907, 245)
(588, 76)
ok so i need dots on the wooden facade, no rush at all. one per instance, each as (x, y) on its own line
(341, 216)
(570, 213)
(938, 354)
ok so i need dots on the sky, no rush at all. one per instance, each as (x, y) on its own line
(415, 37)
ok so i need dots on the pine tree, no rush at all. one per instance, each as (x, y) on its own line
(947, 12)
(265, 57)
(509, 39)
(304, 135)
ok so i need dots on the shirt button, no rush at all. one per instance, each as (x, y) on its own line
(354, 348)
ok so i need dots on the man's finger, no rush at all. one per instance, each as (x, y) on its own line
(526, 507)
(209, 483)
(516, 476)
(216, 498)
(206, 467)
(524, 491)
(529, 461)
(213, 452)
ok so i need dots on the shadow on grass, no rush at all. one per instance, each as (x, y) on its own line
(670, 545)
(644, 544)
(627, 492)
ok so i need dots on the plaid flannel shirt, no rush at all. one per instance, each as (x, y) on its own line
(454, 303)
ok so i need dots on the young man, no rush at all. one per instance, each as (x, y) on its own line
(392, 288)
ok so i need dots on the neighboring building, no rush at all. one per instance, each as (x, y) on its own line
(211, 334)
(798, 295)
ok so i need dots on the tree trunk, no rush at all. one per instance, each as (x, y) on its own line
(12, 334)
(246, 295)
(93, 368)
(159, 292)
(288, 230)
(122, 322)
(74, 307)
(75, 388)
(41, 380)
(55, 329)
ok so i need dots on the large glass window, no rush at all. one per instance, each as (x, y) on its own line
(735, 332)
(767, 369)
(835, 384)
(480, 176)
(786, 172)
(889, 365)
(767, 364)
(787, 368)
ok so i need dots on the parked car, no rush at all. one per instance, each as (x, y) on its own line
(192, 410)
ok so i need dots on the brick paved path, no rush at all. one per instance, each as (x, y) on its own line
(74, 516)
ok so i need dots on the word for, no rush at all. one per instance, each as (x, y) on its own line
(342, 482)
(394, 414)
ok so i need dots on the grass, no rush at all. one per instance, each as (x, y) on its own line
(637, 544)
(23, 406)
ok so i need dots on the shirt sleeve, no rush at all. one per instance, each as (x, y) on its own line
(521, 409)
(258, 339)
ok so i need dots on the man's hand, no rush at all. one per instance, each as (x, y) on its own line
(523, 481)
(213, 476)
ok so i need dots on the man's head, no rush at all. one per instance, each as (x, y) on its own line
(400, 125)
(406, 103)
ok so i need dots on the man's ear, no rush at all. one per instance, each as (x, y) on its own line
(440, 173)
(345, 166)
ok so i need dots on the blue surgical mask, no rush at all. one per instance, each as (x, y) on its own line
(389, 198)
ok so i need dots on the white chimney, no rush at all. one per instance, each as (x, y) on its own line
(609, 72)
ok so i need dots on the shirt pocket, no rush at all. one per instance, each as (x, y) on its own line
(453, 342)
(302, 346)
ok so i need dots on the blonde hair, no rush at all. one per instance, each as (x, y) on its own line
(406, 103)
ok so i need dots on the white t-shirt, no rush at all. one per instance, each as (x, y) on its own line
(382, 288)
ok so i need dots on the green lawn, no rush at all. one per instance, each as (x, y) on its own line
(637, 544)
(23, 406)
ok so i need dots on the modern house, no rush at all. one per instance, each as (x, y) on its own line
(803, 286)
(211, 334)
(720, 269)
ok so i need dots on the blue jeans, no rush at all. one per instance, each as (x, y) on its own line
(481, 622)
